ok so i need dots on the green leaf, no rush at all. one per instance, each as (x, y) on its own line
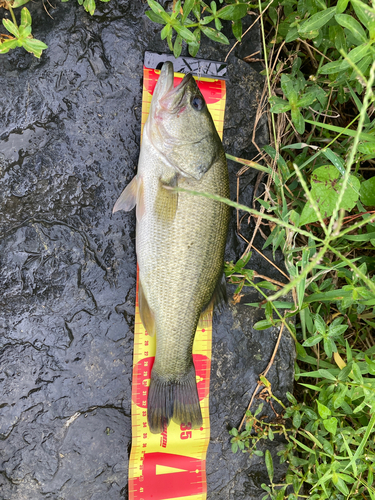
(324, 412)
(89, 6)
(194, 46)
(25, 31)
(207, 20)
(364, 440)
(188, 6)
(312, 341)
(341, 6)
(176, 9)
(237, 29)
(365, 13)
(306, 100)
(357, 373)
(297, 419)
(287, 85)
(320, 324)
(326, 183)
(363, 67)
(367, 192)
(340, 484)
(352, 25)
(291, 398)
(329, 347)
(361, 237)
(340, 396)
(11, 27)
(25, 17)
(292, 35)
(317, 21)
(155, 18)
(278, 105)
(327, 374)
(269, 464)
(345, 131)
(233, 12)
(298, 120)
(339, 38)
(167, 30)
(331, 68)
(158, 9)
(34, 46)
(218, 24)
(331, 425)
(262, 325)
(184, 33)
(337, 330)
(335, 160)
(7, 45)
(258, 410)
(355, 55)
(177, 46)
(300, 350)
(18, 3)
(215, 35)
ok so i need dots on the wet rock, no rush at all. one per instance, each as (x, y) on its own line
(69, 143)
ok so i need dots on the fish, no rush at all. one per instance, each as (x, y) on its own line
(180, 239)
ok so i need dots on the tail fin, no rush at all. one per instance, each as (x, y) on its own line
(173, 400)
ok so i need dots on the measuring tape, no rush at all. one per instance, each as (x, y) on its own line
(171, 465)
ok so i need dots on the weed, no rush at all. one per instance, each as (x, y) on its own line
(319, 203)
(20, 35)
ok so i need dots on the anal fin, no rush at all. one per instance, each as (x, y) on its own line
(147, 316)
(217, 301)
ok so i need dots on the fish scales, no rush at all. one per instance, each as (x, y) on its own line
(180, 238)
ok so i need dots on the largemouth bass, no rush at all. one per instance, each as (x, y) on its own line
(180, 239)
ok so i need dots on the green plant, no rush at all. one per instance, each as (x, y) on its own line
(330, 431)
(20, 35)
(180, 21)
(319, 204)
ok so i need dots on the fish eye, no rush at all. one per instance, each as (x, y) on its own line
(197, 102)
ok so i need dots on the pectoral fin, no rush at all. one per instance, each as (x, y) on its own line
(128, 197)
(147, 316)
(166, 201)
(140, 201)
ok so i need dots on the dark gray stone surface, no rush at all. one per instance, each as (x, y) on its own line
(69, 143)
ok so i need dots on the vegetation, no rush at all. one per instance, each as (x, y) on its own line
(20, 34)
(319, 205)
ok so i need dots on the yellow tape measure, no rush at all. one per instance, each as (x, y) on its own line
(171, 465)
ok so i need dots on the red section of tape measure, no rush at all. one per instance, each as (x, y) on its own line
(142, 375)
(182, 477)
(212, 92)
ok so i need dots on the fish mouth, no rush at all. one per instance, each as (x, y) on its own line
(172, 99)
